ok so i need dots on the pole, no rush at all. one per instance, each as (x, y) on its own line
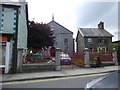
(15, 51)
(15, 43)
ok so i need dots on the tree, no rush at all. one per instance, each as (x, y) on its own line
(39, 36)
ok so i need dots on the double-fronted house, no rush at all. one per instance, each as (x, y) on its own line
(63, 36)
(93, 38)
(13, 27)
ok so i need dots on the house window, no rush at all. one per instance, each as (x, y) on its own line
(14, 23)
(14, 18)
(14, 28)
(65, 44)
(103, 49)
(2, 20)
(15, 13)
(2, 25)
(102, 41)
(2, 15)
(89, 40)
(2, 9)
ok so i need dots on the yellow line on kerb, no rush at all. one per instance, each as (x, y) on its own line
(34, 81)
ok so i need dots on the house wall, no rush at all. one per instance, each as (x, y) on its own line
(8, 26)
(60, 34)
(70, 42)
(8, 17)
(80, 42)
(92, 44)
(0, 17)
(8, 23)
(96, 42)
(22, 28)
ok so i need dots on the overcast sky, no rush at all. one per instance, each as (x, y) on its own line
(74, 14)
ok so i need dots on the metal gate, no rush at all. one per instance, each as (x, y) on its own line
(77, 59)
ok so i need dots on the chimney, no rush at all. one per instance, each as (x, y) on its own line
(101, 25)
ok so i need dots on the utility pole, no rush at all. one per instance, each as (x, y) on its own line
(15, 51)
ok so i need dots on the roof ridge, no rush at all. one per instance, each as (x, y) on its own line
(88, 28)
(60, 25)
(95, 32)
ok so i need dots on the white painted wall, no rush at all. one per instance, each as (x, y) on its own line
(7, 57)
(8, 23)
(22, 28)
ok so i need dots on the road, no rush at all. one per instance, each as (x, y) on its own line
(66, 82)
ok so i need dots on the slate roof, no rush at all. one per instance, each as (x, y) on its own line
(60, 26)
(12, 3)
(94, 32)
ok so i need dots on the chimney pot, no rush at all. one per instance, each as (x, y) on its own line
(101, 25)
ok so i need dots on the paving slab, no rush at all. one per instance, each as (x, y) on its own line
(53, 74)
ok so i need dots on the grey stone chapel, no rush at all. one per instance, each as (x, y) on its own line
(63, 37)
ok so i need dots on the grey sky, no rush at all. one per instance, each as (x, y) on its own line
(74, 14)
(90, 13)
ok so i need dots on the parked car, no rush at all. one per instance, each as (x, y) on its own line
(65, 59)
(111, 81)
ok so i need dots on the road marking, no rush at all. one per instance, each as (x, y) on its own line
(34, 81)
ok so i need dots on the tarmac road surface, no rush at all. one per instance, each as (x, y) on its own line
(65, 82)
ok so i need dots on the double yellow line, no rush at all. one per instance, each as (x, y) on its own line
(34, 81)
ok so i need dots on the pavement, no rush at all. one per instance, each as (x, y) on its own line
(56, 74)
